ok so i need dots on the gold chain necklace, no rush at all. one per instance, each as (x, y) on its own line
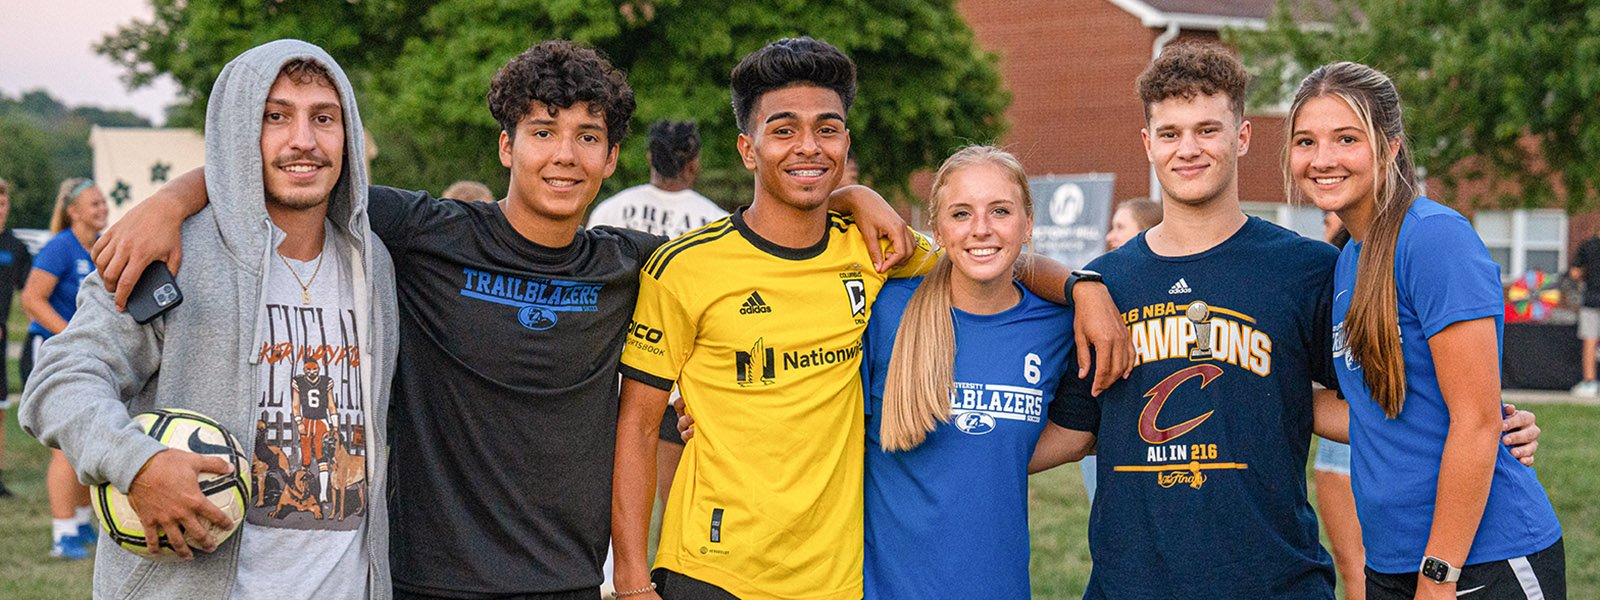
(305, 286)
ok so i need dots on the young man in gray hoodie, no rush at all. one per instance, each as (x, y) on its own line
(286, 336)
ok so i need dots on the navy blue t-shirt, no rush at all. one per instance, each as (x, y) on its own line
(1202, 452)
(949, 518)
(1394, 466)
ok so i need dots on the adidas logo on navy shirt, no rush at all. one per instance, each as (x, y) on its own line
(1181, 287)
(754, 305)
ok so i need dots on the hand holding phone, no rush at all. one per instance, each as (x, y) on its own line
(155, 293)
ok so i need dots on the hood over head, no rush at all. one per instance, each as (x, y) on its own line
(233, 147)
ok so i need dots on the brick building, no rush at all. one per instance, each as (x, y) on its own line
(1070, 66)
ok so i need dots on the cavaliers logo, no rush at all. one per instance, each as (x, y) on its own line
(1191, 473)
(1158, 395)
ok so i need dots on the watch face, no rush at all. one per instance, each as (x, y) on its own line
(1435, 569)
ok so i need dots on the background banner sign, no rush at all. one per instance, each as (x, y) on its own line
(1070, 216)
(130, 163)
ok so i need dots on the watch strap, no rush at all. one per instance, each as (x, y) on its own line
(1074, 278)
(1438, 570)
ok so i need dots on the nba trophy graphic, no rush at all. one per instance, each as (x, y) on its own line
(1200, 315)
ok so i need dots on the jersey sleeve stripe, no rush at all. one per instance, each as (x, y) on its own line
(660, 383)
(666, 255)
(661, 252)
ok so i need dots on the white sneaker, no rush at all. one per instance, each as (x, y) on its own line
(1586, 389)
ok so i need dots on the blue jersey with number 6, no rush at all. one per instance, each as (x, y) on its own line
(949, 518)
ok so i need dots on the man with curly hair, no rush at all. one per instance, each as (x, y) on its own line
(512, 319)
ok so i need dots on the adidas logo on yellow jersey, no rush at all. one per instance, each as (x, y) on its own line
(754, 305)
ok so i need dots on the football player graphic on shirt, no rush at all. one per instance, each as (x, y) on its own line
(312, 395)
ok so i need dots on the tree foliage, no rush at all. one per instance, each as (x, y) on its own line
(1500, 92)
(43, 141)
(925, 86)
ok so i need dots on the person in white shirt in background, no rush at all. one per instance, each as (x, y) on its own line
(668, 206)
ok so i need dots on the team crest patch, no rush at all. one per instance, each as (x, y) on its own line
(536, 318)
(855, 290)
(973, 423)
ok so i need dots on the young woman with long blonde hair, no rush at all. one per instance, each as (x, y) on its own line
(960, 367)
(1417, 319)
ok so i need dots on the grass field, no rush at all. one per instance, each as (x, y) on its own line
(1059, 512)
(1567, 463)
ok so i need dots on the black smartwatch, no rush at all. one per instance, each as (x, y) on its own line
(1439, 571)
(1080, 276)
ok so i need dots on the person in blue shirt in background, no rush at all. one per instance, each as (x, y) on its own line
(1445, 509)
(959, 367)
(50, 297)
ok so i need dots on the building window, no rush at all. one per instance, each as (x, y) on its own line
(1524, 240)
(1304, 219)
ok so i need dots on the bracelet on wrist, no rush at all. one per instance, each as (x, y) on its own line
(648, 588)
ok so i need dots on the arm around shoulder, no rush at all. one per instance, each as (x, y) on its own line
(76, 396)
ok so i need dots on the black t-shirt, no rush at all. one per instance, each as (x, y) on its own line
(1589, 260)
(15, 262)
(503, 422)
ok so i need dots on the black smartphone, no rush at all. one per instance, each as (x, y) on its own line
(155, 293)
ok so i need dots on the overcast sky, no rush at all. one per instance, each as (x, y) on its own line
(49, 44)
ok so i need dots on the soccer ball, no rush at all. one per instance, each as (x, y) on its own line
(189, 431)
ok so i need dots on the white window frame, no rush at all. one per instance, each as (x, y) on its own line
(1284, 215)
(1519, 245)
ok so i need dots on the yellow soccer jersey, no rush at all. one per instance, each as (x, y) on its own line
(764, 343)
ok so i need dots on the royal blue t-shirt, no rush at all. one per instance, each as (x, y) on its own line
(65, 258)
(1443, 276)
(1202, 454)
(949, 518)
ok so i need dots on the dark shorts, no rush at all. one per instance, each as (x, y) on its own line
(583, 594)
(669, 428)
(1542, 574)
(671, 585)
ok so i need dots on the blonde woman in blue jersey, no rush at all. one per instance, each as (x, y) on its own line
(1445, 508)
(959, 369)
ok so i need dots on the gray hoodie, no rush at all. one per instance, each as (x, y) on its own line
(202, 356)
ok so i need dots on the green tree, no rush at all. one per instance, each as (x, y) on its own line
(43, 141)
(25, 163)
(192, 40)
(1503, 92)
(925, 87)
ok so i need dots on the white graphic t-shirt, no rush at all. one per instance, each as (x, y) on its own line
(306, 521)
(651, 209)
